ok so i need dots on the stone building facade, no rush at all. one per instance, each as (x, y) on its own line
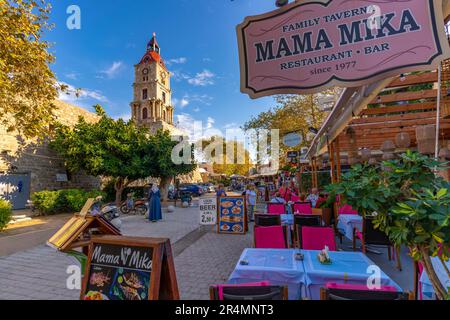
(28, 166)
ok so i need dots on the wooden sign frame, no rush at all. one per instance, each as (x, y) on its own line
(245, 222)
(163, 267)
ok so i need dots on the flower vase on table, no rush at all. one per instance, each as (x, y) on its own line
(324, 256)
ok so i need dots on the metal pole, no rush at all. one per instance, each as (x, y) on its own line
(438, 110)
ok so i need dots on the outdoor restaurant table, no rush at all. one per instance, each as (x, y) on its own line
(346, 267)
(278, 266)
(427, 287)
(347, 222)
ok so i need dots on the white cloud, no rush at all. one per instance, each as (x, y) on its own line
(72, 75)
(202, 79)
(74, 95)
(196, 109)
(210, 123)
(113, 70)
(183, 102)
(181, 60)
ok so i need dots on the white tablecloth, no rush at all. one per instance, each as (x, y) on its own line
(427, 287)
(346, 223)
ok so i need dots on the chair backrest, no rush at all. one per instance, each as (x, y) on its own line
(250, 293)
(344, 294)
(347, 209)
(307, 220)
(374, 236)
(295, 198)
(316, 238)
(302, 208)
(219, 287)
(360, 287)
(276, 208)
(267, 220)
(273, 237)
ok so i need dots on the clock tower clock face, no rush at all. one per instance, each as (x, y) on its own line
(145, 71)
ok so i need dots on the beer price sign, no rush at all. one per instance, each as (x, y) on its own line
(208, 211)
(310, 45)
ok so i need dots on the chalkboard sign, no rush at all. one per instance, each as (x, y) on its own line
(231, 215)
(208, 211)
(128, 268)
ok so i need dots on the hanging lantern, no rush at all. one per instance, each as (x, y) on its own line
(426, 139)
(403, 140)
(365, 154)
(388, 146)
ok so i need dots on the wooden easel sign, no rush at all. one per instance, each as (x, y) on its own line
(231, 215)
(129, 268)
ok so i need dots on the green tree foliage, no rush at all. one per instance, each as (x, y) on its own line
(411, 205)
(27, 85)
(5, 213)
(236, 162)
(117, 149)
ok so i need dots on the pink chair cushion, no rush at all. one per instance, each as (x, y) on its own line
(359, 287)
(220, 287)
(302, 208)
(359, 234)
(295, 199)
(270, 237)
(347, 209)
(316, 238)
(276, 208)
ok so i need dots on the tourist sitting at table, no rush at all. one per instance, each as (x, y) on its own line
(313, 197)
(277, 199)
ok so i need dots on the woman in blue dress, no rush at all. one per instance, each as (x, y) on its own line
(154, 204)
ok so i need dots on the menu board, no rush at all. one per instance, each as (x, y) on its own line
(232, 216)
(126, 268)
(208, 211)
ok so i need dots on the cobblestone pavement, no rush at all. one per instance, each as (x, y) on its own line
(40, 273)
(208, 261)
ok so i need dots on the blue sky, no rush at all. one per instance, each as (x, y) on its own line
(197, 40)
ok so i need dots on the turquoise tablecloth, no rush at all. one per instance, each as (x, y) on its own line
(304, 278)
(346, 267)
(277, 266)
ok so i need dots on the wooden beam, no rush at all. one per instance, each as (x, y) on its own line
(387, 118)
(338, 158)
(399, 108)
(405, 96)
(414, 79)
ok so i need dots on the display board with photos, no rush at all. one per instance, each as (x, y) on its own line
(129, 268)
(231, 215)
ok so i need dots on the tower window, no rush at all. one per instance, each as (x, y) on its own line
(164, 97)
(144, 113)
(144, 94)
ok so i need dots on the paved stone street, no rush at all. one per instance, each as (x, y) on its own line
(202, 258)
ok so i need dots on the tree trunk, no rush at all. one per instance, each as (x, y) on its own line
(164, 187)
(441, 292)
(119, 186)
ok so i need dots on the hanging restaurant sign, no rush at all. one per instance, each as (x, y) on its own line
(307, 46)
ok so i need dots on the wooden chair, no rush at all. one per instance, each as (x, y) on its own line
(248, 293)
(376, 237)
(266, 220)
(344, 294)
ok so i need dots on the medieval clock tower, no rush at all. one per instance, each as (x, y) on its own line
(151, 106)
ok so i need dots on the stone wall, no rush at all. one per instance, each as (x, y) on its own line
(34, 157)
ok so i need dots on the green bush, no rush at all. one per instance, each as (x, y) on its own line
(61, 201)
(5, 213)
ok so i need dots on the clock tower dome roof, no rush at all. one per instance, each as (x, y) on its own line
(153, 53)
